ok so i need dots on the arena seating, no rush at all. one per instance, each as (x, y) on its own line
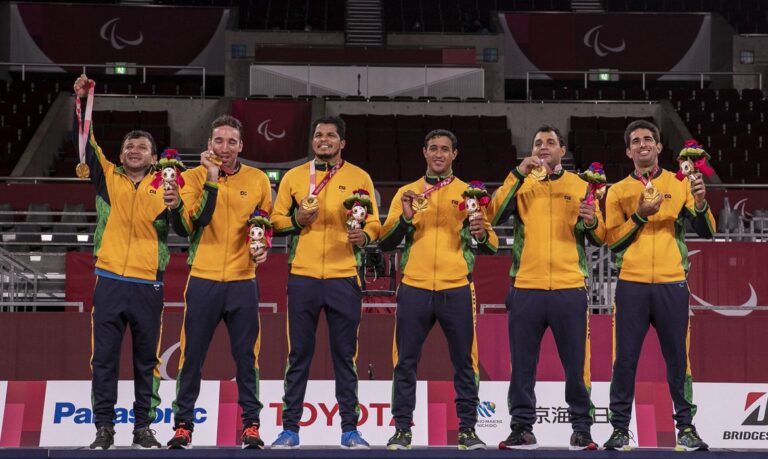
(389, 146)
(747, 16)
(23, 105)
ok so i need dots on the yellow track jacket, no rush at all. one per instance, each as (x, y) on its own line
(131, 224)
(548, 249)
(321, 250)
(215, 218)
(653, 250)
(438, 254)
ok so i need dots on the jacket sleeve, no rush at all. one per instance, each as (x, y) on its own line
(490, 244)
(196, 207)
(620, 229)
(702, 220)
(372, 226)
(596, 232)
(396, 226)
(284, 213)
(504, 203)
(266, 194)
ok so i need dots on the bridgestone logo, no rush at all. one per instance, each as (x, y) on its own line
(744, 435)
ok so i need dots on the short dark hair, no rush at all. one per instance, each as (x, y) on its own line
(227, 120)
(441, 133)
(549, 128)
(641, 124)
(135, 134)
(341, 126)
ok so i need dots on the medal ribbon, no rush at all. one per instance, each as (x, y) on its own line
(84, 126)
(437, 186)
(646, 180)
(314, 190)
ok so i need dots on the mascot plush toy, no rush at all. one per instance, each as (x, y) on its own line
(358, 207)
(259, 230)
(476, 198)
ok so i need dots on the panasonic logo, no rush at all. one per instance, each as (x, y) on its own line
(66, 412)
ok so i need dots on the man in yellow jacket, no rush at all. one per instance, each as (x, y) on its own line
(436, 265)
(645, 215)
(324, 258)
(217, 200)
(552, 221)
(130, 246)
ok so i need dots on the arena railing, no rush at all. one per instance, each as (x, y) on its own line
(24, 67)
(643, 76)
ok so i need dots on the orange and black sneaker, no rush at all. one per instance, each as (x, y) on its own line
(251, 437)
(182, 439)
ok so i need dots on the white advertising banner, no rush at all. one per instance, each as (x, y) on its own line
(320, 424)
(732, 415)
(68, 414)
(552, 428)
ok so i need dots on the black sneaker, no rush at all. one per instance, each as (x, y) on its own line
(619, 440)
(688, 440)
(581, 441)
(105, 438)
(182, 439)
(520, 438)
(400, 440)
(251, 437)
(144, 438)
(468, 439)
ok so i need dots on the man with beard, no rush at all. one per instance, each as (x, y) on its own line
(216, 202)
(552, 222)
(324, 258)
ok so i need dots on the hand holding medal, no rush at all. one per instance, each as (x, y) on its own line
(534, 167)
(83, 88)
(420, 202)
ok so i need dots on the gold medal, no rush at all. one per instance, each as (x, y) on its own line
(82, 171)
(310, 203)
(419, 204)
(214, 159)
(650, 193)
(538, 173)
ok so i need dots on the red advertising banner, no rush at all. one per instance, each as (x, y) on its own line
(57, 346)
(276, 131)
(605, 41)
(145, 35)
(729, 274)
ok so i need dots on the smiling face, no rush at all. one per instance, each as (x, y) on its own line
(439, 154)
(327, 143)
(137, 155)
(547, 147)
(227, 144)
(643, 149)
